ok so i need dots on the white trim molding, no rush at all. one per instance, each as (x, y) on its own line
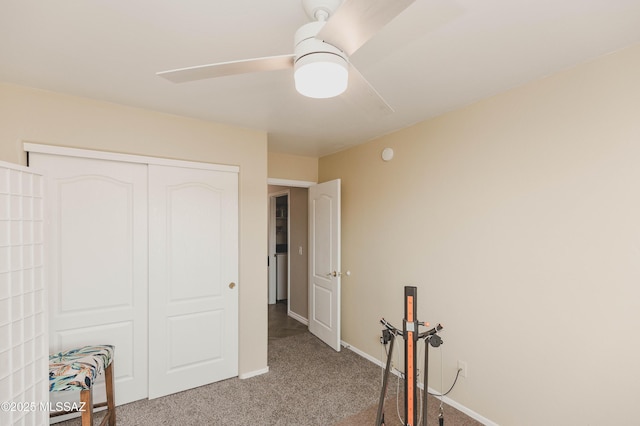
(298, 317)
(254, 373)
(126, 158)
(289, 182)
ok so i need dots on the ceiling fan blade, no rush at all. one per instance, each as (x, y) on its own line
(367, 99)
(269, 63)
(356, 21)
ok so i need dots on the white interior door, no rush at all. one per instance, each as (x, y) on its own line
(193, 276)
(324, 262)
(97, 262)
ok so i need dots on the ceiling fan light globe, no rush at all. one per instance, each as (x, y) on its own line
(321, 75)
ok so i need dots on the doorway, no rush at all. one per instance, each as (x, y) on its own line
(314, 295)
(288, 257)
(279, 247)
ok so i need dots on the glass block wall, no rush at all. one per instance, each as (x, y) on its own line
(23, 324)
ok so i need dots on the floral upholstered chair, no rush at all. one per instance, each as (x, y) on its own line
(76, 370)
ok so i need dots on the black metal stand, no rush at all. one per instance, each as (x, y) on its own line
(385, 380)
(411, 336)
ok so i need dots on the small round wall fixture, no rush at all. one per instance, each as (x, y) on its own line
(387, 154)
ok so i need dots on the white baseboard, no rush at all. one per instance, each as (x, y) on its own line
(254, 373)
(465, 410)
(446, 400)
(298, 318)
(362, 354)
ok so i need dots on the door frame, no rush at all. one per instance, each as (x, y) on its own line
(290, 183)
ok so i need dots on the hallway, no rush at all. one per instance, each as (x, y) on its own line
(281, 325)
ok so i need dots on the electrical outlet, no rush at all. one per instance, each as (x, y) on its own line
(462, 366)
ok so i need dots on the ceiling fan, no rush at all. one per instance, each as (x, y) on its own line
(321, 51)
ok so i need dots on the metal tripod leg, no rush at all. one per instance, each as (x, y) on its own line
(383, 392)
(426, 382)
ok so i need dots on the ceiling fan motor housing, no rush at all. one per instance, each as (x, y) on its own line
(306, 42)
(330, 76)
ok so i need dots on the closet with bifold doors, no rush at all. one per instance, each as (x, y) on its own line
(142, 253)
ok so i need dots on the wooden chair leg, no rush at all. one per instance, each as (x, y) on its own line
(86, 396)
(111, 403)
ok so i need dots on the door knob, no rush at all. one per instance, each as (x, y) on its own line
(338, 274)
(232, 285)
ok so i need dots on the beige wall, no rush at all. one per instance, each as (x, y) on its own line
(56, 119)
(292, 167)
(298, 212)
(518, 219)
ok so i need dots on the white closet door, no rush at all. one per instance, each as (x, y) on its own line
(193, 276)
(97, 257)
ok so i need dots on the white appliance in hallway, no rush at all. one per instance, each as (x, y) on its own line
(278, 246)
(281, 276)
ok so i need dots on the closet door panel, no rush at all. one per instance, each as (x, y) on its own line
(193, 241)
(193, 261)
(95, 223)
(97, 257)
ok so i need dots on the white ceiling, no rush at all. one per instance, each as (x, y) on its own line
(438, 55)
